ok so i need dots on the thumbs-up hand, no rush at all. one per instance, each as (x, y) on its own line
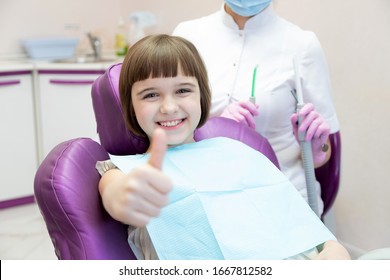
(158, 146)
(136, 197)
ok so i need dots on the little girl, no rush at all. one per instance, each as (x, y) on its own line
(165, 96)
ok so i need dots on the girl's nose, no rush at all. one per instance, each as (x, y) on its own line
(168, 106)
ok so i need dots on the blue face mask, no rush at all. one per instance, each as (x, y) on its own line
(247, 8)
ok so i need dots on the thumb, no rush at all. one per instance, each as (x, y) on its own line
(158, 146)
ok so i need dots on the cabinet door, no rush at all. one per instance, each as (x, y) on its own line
(18, 147)
(66, 110)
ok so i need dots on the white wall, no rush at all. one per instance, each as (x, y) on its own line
(20, 19)
(356, 40)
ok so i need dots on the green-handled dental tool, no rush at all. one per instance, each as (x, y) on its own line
(252, 98)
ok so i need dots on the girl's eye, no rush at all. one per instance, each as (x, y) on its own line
(149, 95)
(183, 90)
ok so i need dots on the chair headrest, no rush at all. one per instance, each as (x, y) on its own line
(113, 133)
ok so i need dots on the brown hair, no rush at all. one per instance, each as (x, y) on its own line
(158, 56)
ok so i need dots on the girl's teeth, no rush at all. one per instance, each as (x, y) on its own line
(171, 123)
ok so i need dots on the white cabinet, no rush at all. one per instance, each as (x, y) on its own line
(18, 149)
(65, 103)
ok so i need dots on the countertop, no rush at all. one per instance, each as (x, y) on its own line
(15, 65)
(12, 65)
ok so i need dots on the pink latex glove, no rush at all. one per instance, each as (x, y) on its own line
(242, 112)
(317, 131)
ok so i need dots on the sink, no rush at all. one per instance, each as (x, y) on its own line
(83, 59)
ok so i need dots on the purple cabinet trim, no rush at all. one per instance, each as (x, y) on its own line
(11, 73)
(78, 72)
(9, 83)
(17, 202)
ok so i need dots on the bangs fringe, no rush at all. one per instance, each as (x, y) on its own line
(163, 61)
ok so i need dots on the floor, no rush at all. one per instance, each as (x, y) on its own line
(23, 234)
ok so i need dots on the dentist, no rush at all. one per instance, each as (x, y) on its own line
(247, 33)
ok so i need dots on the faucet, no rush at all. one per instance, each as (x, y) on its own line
(96, 46)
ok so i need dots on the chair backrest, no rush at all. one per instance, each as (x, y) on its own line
(66, 182)
(329, 174)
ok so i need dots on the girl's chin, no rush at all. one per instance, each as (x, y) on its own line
(175, 141)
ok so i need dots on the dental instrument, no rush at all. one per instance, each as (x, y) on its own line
(307, 154)
(252, 98)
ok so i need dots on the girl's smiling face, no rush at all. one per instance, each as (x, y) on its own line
(171, 103)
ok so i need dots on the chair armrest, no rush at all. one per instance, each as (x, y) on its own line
(66, 190)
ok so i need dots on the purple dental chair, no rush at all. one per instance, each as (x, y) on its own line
(66, 182)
